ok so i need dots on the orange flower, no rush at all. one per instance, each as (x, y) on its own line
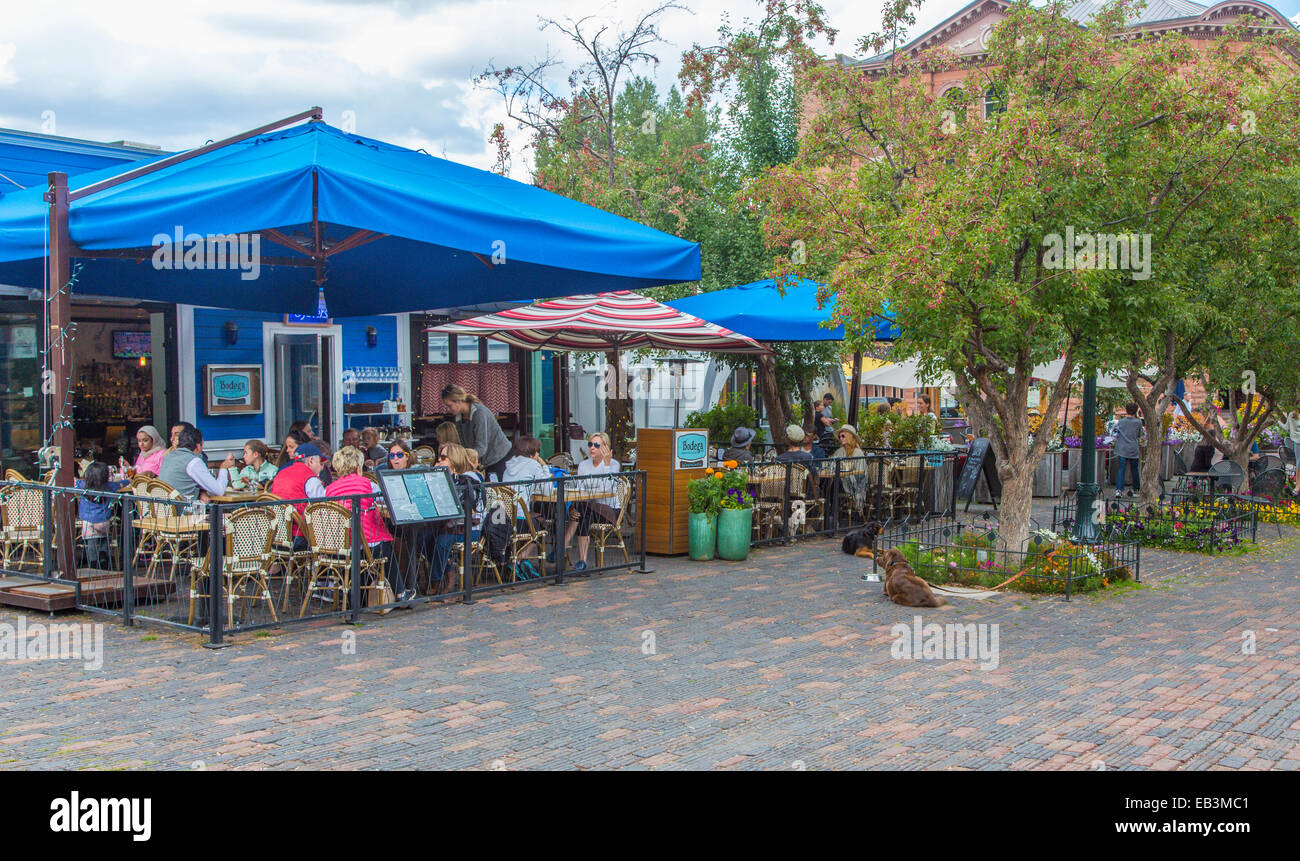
(709, 471)
(731, 464)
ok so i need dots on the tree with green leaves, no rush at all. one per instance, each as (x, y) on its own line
(751, 68)
(1006, 239)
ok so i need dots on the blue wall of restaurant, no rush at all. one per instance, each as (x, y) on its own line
(210, 348)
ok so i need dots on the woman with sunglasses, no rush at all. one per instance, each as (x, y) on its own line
(456, 459)
(583, 514)
(399, 455)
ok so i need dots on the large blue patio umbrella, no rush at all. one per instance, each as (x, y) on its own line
(381, 228)
(766, 313)
(760, 311)
(310, 212)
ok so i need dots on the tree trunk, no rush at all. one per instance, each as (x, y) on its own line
(1150, 469)
(1017, 476)
(772, 400)
(618, 406)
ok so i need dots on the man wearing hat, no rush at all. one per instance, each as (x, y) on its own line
(740, 441)
(300, 480)
(800, 445)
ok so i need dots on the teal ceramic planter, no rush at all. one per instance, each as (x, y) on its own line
(703, 535)
(734, 526)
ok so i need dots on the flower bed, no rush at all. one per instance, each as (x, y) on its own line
(1207, 526)
(964, 555)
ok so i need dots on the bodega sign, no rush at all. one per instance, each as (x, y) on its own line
(690, 449)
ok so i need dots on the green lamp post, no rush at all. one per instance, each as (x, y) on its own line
(1085, 527)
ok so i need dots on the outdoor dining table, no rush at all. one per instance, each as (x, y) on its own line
(572, 494)
(234, 496)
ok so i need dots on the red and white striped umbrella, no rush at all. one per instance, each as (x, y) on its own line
(621, 320)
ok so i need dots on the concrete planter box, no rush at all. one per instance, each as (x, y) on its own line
(1047, 477)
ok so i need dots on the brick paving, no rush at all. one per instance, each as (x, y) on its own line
(779, 662)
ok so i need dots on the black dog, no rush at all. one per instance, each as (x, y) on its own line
(861, 543)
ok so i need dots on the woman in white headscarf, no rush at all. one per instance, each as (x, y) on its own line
(152, 449)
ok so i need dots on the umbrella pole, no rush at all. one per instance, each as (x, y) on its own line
(854, 386)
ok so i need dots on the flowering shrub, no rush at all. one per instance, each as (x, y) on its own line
(727, 487)
(1049, 563)
(1194, 527)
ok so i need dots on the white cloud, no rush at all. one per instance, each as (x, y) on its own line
(7, 75)
(179, 74)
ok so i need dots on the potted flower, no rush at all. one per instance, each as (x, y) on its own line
(705, 498)
(736, 515)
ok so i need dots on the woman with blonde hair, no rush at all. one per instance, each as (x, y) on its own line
(854, 479)
(348, 482)
(478, 429)
(468, 483)
(447, 433)
(583, 514)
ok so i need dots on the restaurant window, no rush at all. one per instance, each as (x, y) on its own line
(466, 349)
(439, 349)
(497, 351)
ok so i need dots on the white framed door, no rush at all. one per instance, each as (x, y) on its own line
(302, 379)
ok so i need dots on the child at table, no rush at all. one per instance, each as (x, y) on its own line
(95, 512)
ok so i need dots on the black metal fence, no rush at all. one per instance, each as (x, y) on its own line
(228, 567)
(1206, 524)
(944, 551)
(806, 498)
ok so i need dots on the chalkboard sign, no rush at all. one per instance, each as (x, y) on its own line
(980, 460)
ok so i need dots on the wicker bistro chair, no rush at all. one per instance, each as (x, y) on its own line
(22, 521)
(527, 541)
(496, 505)
(293, 564)
(610, 535)
(769, 508)
(245, 560)
(563, 461)
(168, 536)
(328, 526)
(803, 488)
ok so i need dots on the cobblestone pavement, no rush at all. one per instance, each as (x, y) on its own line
(782, 661)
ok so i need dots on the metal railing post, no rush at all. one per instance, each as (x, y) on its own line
(561, 530)
(354, 562)
(785, 506)
(128, 564)
(467, 547)
(216, 547)
(835, 495)
(47, 521)
(640, 510)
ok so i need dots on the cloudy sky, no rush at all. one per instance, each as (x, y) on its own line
(179, 73)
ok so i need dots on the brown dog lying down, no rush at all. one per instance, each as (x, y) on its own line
(902, 586)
